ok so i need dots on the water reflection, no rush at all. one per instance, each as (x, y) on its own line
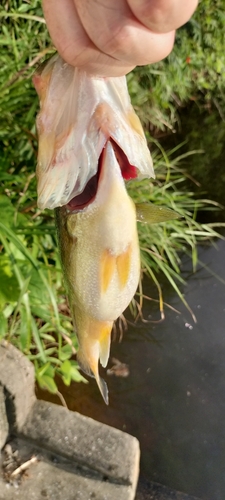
(173, 401)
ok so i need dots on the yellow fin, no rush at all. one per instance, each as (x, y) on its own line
(123, 266)
(102, 385)
(151, 214)
(93, 372)
(107, 269)
(94, 346)
(83, 364)
(104, 344)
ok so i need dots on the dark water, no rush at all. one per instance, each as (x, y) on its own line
(203, 131)
(173, 401)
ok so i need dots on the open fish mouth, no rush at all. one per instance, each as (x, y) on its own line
(79, 115)
(88, 195)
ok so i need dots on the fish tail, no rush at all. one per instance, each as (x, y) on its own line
(102, 385)
(90, 367)
(94, 344)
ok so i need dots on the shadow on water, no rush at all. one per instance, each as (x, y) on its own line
(173, 401)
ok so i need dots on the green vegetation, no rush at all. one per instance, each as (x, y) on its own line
(194, 71)
(33, 308)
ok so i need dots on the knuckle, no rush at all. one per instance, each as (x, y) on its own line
(120, 43)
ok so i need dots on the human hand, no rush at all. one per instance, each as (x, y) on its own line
(111, 37)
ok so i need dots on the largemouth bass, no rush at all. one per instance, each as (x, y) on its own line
(101, 264)
(90, 142)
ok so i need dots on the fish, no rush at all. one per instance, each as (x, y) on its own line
(90, 143)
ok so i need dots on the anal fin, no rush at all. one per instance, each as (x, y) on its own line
(90, 366)
(104, 345)
(83, 364)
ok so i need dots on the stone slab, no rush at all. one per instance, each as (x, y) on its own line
(52, 477)
(101, 448)
(89, 458)
(17, 378)
(4, 426)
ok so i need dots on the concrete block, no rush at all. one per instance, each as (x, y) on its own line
(102, 449)
(17, 378)
(46, 481)
(54, 477)
(78, 458)
(4, 426)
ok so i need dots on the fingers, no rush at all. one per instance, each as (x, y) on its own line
(73, 43)
(108, 37)
(115, 31)
(162, 16)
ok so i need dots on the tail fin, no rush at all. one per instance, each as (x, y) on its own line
(102, 385)
(90, 367)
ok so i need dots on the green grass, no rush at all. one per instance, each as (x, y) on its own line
(34, 314)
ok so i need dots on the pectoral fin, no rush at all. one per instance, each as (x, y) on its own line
(151, 214)
(110, 264)
(107, 269)
(123, 262)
